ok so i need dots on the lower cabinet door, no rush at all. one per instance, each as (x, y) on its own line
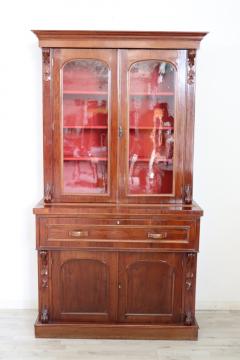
(150, 287)
(84, 286)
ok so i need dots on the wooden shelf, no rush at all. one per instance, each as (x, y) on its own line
(85, 127)
(105, 127)
(95, 158)
(162, 93)
(85, 158)
(85, 92)
(170, 161)
(151, 128)
(81, 92)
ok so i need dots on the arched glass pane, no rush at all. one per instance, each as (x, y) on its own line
(151, 127)
(85, 102)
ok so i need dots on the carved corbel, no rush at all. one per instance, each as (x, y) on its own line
(46, 64)
(48, 194)
(191, 66)
(187, 194)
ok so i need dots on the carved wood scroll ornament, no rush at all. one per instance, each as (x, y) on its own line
(46, 64)
(191, 66)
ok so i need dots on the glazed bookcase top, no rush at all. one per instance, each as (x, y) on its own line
(118, 116)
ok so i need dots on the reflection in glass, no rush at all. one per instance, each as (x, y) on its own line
(151, 127)
(85, 127)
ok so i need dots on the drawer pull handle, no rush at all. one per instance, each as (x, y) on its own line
(78, 233)
(157, 236)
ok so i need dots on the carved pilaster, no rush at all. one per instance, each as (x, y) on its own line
(44, 286)
(190, 273)
(191, 66)
(44, 268)
(44, 315)
(46, 64)
(47, 123)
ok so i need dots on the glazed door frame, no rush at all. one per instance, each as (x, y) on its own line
(61, 57)
(127, 57)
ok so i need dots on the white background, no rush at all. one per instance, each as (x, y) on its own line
(217, 135)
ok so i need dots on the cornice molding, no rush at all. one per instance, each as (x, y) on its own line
(119, 39)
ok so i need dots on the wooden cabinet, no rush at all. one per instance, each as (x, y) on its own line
(117, 229)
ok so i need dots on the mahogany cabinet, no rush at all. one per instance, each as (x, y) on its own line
(117, 230)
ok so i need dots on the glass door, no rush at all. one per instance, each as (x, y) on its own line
(84, 107)
(152, 124)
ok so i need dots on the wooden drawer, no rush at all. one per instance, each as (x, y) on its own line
(123, 233)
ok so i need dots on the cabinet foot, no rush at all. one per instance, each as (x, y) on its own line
(189, 319)
(44, 316)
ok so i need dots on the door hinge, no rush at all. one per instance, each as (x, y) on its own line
(120, 131)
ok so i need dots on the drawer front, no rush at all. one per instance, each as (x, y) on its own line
(167, 234)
